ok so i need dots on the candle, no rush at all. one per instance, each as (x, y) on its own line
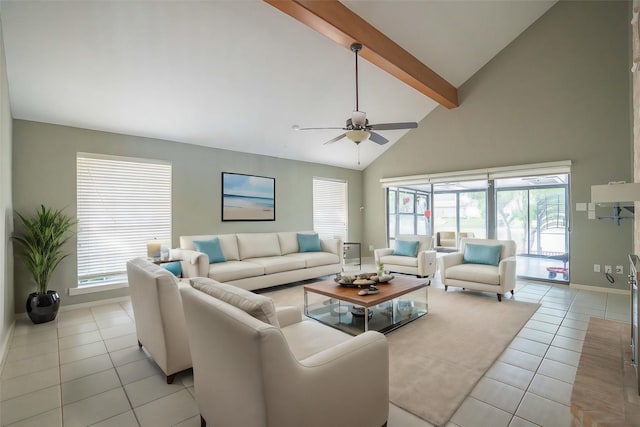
(153, 248)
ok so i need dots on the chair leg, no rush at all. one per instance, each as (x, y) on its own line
(499, 297)
(511, 291)
(203, 423)
(445, 288)
(170, 378)
(385, 424)
(139, 344)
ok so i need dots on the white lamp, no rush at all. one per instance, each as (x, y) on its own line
(154, 247)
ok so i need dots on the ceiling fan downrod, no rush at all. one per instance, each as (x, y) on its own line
(356, 47)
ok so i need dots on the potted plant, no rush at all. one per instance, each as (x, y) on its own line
(42, 239)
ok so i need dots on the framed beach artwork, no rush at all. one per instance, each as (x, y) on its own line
(248, 197)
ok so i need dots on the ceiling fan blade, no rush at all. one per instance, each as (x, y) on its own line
(392, 126)
(337, 138)
(377, 138)
(314, 128)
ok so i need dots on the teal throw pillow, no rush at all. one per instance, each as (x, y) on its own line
(406, 248)
(211, 248)
(174, 268)
(482, 254)
(309, 242)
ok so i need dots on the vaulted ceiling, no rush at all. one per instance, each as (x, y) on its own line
(238, 75)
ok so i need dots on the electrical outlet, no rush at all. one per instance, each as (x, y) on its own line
(596, 268)
(619, 269)
(607, 269)
(371, 248)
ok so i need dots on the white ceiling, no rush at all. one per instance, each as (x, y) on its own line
(237, 74)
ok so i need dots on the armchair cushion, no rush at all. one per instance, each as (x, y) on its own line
(258, 306)
(480, 273)
(406, 248)
(211, 248)
(482, 254)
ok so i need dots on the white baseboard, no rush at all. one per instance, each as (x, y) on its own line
(82, 305)
(94, 303)
(599, 289)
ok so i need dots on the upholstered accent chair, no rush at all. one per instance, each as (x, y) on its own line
(255, 366)
(160, 323)
(421, 263)
(446, 240)
(483, 265)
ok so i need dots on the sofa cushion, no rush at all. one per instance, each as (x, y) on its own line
(406, 248)
(288, 242)
(258, 306)
(399, 260)
(482, 254)
(211, 248)
(309, 242)
(474, 273)
(315, 259)
(277, 264)
(228, 243)
(257, 245)
(234, 270)
(307, 338)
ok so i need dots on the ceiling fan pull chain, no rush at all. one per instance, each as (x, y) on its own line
(358, 145)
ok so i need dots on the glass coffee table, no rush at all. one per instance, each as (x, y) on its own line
(400, 301)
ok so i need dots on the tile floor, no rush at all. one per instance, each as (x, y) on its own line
(85, 369)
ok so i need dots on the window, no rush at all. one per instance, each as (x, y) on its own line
(408, 211)
(525, 203)
(122, 203)
(330, 207)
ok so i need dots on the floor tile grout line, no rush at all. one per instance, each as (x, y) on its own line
(537, 369)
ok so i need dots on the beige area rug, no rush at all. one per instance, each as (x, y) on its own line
(435, 361)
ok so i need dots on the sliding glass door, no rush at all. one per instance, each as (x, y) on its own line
(532, 211)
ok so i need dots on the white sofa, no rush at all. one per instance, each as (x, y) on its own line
(481, 277)
(260, 260)
(160, 323)
(255, 366)
(422, 265)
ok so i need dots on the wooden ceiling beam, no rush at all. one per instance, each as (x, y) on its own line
(336, 21)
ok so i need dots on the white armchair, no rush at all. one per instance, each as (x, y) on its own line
(422, 265)
(280, 371)
(499, 278)
(160, 323)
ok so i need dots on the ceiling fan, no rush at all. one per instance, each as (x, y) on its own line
(357, 127)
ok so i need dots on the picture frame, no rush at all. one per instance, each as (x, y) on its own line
(248, 197)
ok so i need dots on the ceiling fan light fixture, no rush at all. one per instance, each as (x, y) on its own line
(357, 135)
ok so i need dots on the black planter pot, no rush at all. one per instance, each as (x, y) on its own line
(43, 308)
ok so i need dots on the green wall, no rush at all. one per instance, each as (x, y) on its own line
(44, 161)
(7, 316)
(560, 91)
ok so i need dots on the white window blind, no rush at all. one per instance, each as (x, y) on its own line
(122, 203)
(330, 207)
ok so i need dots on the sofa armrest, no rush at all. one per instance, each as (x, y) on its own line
(379, 253)
(193, 263)
(333, 246)
(449, 260)
(507, 273)
(363, 362)
(427, 264)
(288, 315)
